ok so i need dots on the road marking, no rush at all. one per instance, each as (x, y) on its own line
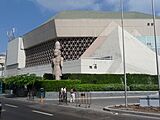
(44, 113)
(9, 105)
(3, 110)
(141, 116)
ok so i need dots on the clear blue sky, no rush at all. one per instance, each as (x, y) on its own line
(25, 15)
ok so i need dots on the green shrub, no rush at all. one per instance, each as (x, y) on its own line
(55, 85)
(143, 87)
(48, 76)
(99, 87)
(141, 79)
(96, 78)
(113, 78)
(21, 80)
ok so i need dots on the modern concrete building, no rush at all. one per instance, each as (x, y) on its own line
(91, 43)
(2, 64)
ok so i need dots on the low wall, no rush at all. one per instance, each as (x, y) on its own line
(54, 95)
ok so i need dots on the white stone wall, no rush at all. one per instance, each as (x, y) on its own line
(38, 70)
(94, 27)
(94, 66)
(39, 35)
(72, 66)
(15, 56)
(21, 54)
(12, 52)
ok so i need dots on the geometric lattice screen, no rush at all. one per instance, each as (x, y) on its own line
(72, 48)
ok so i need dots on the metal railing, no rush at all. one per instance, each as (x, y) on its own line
(83, 99)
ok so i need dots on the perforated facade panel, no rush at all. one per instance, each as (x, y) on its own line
(72, 49)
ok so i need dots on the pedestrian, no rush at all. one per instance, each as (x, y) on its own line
(61, 94)
(71, 95)
(65, 94)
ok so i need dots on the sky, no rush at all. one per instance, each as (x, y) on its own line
(25, 15)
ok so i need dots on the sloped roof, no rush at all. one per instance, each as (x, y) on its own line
(101, 15)
(82, 14)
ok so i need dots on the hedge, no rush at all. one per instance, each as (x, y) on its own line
(99, 87)
(141, 79)
(113, 78)
(55, 85)
(96, 78)
(143, 87)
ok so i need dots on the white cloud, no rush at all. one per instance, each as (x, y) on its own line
(144, 6)
(113, 5)
(60, 5)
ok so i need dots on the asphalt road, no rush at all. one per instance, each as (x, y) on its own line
(103, 102)
(14, 110)
(17, 110)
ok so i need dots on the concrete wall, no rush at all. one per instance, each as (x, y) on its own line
(11, 72)
(15, 56)
(41, 34)
(21, 54)
(75, 66)
(68, 67)
(83, 27)
(38, 70)
(72, 66)
(94, 66)
(12, 52)
(16, 53)
(93, 27)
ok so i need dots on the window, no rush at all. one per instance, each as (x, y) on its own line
(148, 24)
(95, 66)
(152, 24)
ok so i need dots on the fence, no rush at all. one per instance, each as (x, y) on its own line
(83, 99)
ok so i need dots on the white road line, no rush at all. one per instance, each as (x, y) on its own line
(9, 105)
(44, 113)
(141, 116)
(3, 110)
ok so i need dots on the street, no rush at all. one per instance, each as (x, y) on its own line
(13, 110)
(18, 110)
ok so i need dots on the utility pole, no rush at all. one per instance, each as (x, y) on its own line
(124, 61)
(156, 49)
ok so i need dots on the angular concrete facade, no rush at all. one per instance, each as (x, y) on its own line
(91, 43)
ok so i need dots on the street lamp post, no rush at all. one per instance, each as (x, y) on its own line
(156, 50)
(124, 61)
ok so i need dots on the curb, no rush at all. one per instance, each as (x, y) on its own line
(130, 112)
